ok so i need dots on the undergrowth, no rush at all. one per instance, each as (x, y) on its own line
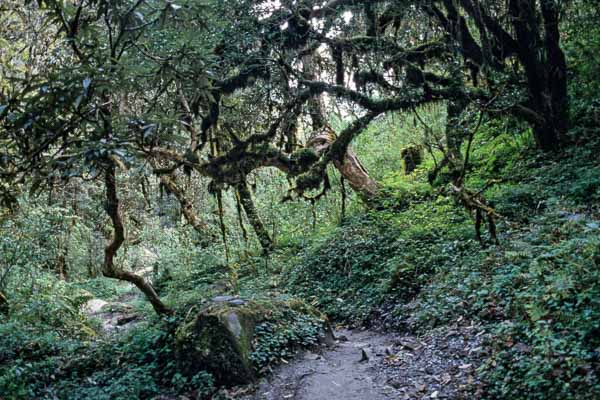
(538, 293)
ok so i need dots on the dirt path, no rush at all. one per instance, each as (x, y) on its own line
(337, 373)
(440, 365)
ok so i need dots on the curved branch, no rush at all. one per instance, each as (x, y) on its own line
(186, 206)
(109, 269)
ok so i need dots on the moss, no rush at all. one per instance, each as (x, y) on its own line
(309, 181)
(219, 341)
(305, 308)
(222, 337)
(412, 156)
(304, 157)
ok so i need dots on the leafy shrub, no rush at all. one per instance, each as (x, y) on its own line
(139, 365)
(282, 334)
(382, 257)
(516, 202)
(538, 296)
(556, 320)
(586, 187)
(400, 191)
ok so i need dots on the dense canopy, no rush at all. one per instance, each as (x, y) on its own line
(387, 162)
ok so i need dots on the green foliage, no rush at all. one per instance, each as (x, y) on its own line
(281, 335)
(138, 365)
(582, 51)
(400, 192)
(537, 294)
(341, 271)
(382, 257)
(56, 306)
(413, 253)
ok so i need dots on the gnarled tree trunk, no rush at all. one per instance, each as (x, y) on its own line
(187, 208)
(545, 68)
(349, 167)
(261, 232)
(323, 136)
(109, 269)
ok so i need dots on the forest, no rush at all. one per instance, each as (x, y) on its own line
(299, 199)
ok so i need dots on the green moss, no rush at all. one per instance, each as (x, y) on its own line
(304, 157)
(234, 342)
(412, 156)
(219, 340)
(309, 181)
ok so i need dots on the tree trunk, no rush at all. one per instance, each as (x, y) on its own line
(545, 69)
(350, 167)
(61, 267)
(536, 43)
(3, 304)
(323, 136)
(553, 101)
(261, 232)
(455, 136)
(109, 269)
(186, 206)
(411, 156)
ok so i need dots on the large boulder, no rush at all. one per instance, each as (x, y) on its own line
(220, 338)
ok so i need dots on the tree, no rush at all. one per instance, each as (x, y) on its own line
(162, 86)
(535, 44)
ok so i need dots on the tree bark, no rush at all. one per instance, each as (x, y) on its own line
(323, 136)
(455, 136)
(349, 167)
(4, 308)
(545, 69)
(536, 43)
(186, 205)
(109, 269)
(261, 232)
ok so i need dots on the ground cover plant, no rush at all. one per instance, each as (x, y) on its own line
(193, 193)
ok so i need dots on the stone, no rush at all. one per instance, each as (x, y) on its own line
(311, 356)
(94, 306)
(125, 319)
(410, 344)
(364, 357)
(341, 338)
(219, 338)
(222, 299)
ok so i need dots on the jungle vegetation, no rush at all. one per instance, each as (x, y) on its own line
(436, 159)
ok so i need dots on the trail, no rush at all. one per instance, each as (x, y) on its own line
(440, 365)
(337, 373)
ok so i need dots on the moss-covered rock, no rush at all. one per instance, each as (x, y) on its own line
(224, 338)
(218, 340)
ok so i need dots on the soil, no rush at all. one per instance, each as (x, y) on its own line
(370, 365)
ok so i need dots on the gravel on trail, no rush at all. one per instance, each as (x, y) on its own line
(369, 365)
